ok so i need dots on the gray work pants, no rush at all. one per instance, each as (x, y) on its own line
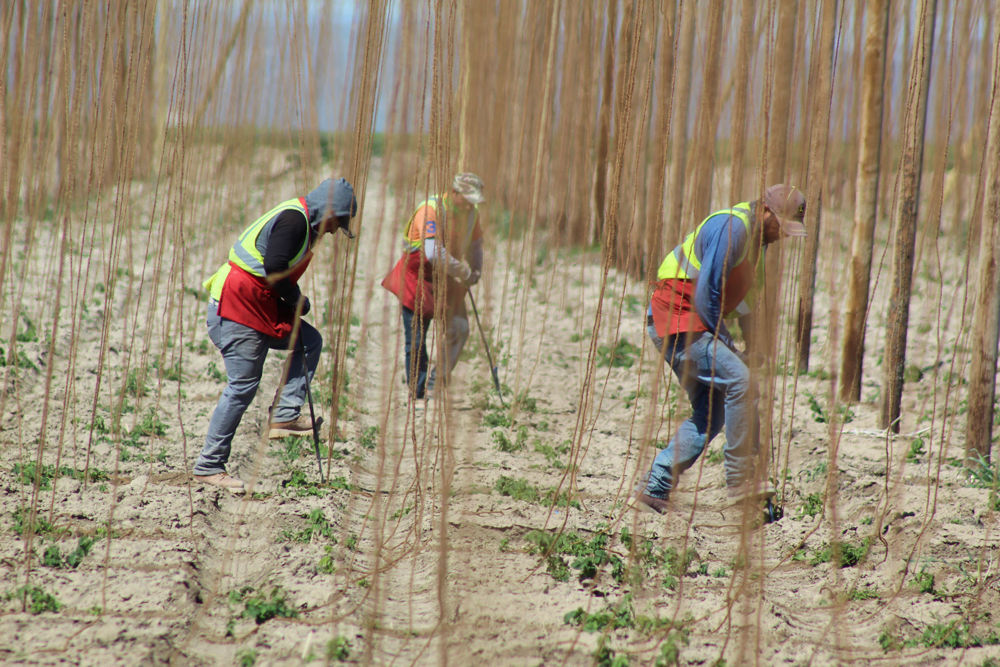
(244, 351)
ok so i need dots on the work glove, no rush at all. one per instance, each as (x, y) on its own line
(473, 278)
(305, 306)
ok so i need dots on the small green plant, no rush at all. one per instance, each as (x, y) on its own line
(916, 450)
(520, 489)
(326, 564)
(34, 599)
(811, 506)
(338, 649)
(316, 525)
(246, 657)
(496, 417)
(149, 425)
(611, 618)
(923, 581)
(605, 656)
(300, 484)
(262, 608)
(369, 439)
(135, 383)
(622, 354)
(214, 373)
(53, 557)
(30, 333)
(553, 454)
(670, 649)
(863, 594)
(714, 455)
(503, 443)
(820, 414)
(849, 554)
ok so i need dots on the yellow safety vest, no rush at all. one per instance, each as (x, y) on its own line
(245, 254)
(683, 262)
(414, 245)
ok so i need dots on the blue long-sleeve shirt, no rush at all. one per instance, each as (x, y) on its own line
(722, 282)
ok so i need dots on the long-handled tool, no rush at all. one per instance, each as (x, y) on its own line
(312, 413)
(489, 357)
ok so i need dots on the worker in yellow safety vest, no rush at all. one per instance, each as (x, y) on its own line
(704, 279)
(253, 300)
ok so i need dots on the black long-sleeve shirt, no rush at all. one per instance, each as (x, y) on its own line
(287, 235)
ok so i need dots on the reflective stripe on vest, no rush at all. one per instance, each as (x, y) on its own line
(414, 245)
(683, 262)
(244, 252)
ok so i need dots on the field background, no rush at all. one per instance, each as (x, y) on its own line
(138, 139)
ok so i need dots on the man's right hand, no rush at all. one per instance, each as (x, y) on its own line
(473, 278)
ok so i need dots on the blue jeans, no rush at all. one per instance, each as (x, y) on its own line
(243, 352)
(719, 387)
(415, 346)
(415, 342)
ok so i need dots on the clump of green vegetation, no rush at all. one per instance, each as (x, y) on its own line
(848, 554)
(811, 506)
(589, 557)
(149, 425)
(520, 489)
(863, 594)
(34, 599)
(300, 484)
(504, 444)
(622, 354)
(40, 526)
(246, 657)
(135, 383)
(820, 414)
(916, 450)
(260, 607)
(369, 438)
(316, 525)
(554, 455)
(338, 649)
(54, 558)
(923, 581)
(27, 473)
(496, 417)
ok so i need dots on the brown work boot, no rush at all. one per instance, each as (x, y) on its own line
(644, 502)
(301, 425)
(224, 480)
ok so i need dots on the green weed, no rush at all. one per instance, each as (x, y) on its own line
(300, 484)
(149, 425)
(622, 354)
(135, 384)
(246, 657)
(812, 505)
(916, 450)
(863, 594)
(34, 599)
(53, 557)
(923, 581)
(369, 439)
(326, 564)
(338, 649)
(520, 489)
(670, 649)
(504, 444)
(262, 608)
(554, 455)
(316, 525)
(820, 414)
(496, 417)
(214, 373)
(27, 473)
(30, 333)
(848, 554)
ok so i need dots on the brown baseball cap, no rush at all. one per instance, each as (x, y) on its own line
(788, 205)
